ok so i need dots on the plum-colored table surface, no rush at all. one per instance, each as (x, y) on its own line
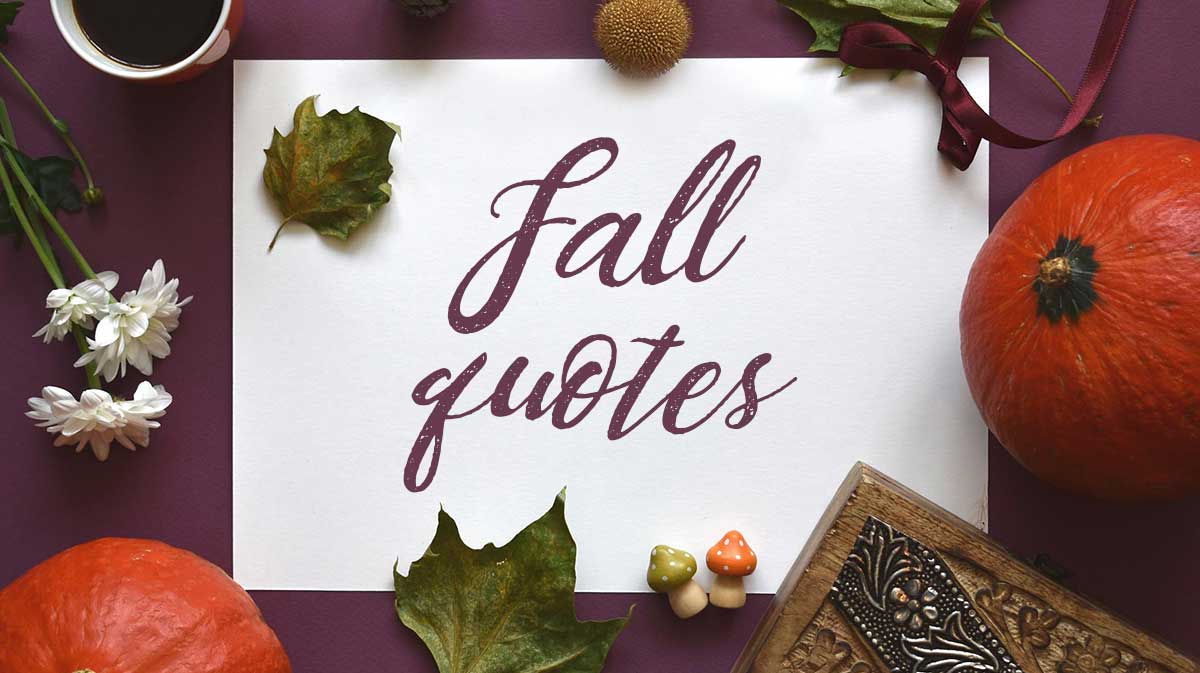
(162, 154)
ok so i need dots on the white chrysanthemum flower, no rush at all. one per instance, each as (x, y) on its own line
(96, 419)
(76, 306)
(137, 329)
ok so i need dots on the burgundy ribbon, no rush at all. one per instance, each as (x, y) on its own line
(964, 124)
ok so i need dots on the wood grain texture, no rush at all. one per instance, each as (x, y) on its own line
(1046, 628)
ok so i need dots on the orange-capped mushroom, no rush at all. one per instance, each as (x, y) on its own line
(731, 559)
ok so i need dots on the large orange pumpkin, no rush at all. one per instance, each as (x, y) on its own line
(1081, 322)
(133, 606)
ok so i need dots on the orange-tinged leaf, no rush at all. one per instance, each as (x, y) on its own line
(331, 172)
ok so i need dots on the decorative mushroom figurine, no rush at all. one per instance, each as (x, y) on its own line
(671, 572)
(731, 559)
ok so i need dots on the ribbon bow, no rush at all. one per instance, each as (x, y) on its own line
(875, 45)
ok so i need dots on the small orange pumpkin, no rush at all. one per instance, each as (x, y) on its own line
(1080, 322)
(133, 606)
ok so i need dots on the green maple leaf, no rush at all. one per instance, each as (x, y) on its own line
(923, 20)
(331, 172)
(503, 609)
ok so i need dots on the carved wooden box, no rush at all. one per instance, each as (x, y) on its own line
(891, 583)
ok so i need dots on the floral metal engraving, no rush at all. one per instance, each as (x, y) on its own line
(905, 602)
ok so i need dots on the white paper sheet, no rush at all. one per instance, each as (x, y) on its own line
(858, 239)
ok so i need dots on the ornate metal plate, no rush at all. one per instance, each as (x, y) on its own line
(905, 602)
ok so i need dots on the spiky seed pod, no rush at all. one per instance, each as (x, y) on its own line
(643, 38)
(426, 8)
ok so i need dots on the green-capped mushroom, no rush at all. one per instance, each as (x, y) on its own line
(670, 572)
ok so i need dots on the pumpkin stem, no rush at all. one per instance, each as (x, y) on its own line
(1055, 271)
(1063, 283)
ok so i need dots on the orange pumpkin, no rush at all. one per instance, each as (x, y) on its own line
(1080, 322)
(133, 606)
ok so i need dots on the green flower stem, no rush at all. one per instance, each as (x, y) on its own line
(46, 213)
(6, 126)
(93, 379)
(39, 241)
(6, 130)
(48, 261)
(35, 226)
(59, 125)
(42, 253)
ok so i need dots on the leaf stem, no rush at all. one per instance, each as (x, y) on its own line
(46, 213)
(998, 32)
(59, 125)
(271, 245)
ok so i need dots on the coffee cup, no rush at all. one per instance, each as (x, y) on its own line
(215, 45)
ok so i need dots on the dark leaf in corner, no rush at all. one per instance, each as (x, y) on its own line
(51, 179)
(8, 14)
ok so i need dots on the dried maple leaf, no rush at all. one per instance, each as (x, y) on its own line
(331, 172)
(503, 609)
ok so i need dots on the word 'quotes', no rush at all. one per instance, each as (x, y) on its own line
(584, 380)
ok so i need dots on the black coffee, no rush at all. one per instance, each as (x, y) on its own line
(148, 33)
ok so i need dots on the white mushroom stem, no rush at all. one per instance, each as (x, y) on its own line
(728, 592)
(687, 599)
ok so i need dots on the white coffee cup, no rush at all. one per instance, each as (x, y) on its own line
(214, 48)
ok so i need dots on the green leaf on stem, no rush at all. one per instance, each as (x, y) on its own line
(331, 172)
(8, 14)
(51, 179)
(501, 609)
(923, 20)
